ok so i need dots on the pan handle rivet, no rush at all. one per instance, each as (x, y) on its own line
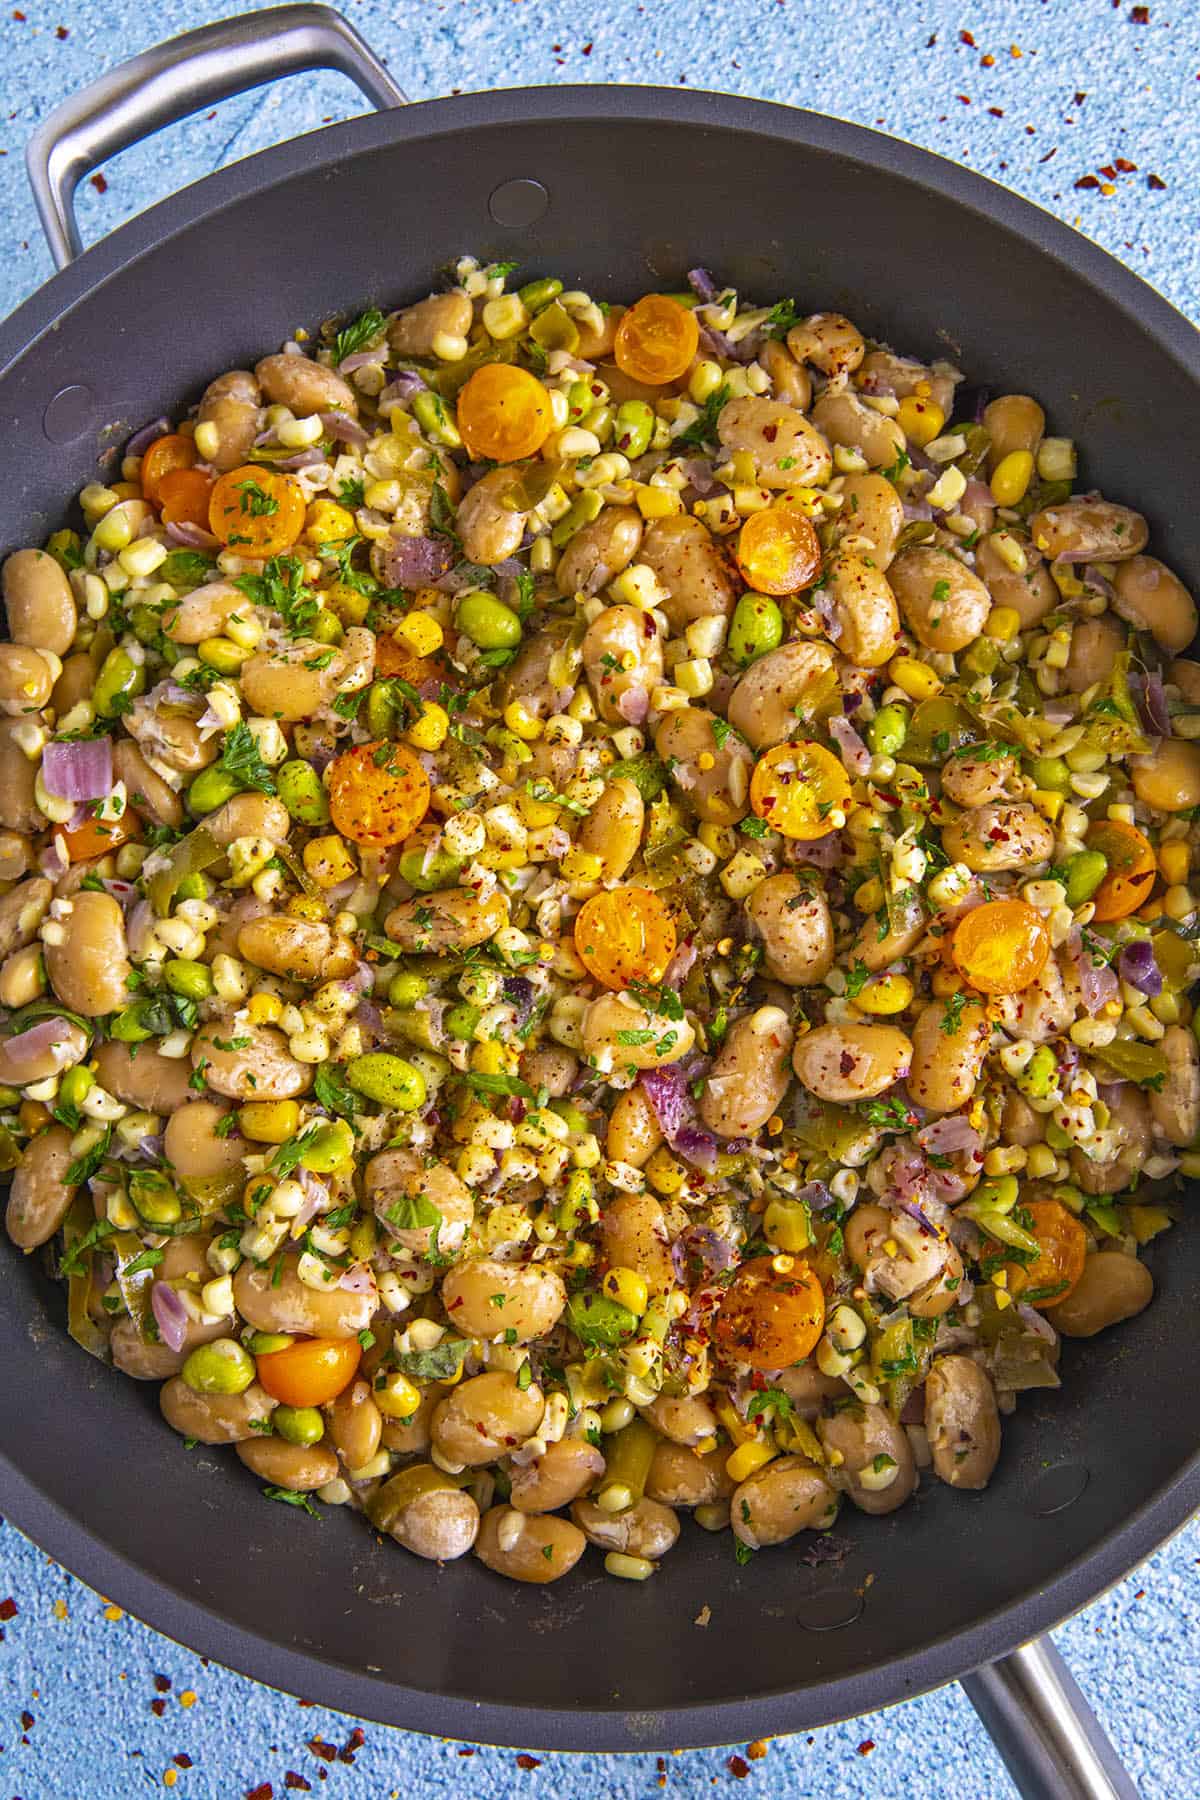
(69, 414)
(521, 201)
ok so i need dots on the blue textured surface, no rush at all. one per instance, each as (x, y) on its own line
(1074, 86)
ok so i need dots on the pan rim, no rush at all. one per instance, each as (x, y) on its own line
(177, 1614)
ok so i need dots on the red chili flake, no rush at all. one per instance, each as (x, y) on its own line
(770, 432)
(263, 1792)
(965, 98)
(61, 32)
(987, 61)
(158, 1708)
(1139, 15)
(525, 1761)
(1088, 181)
(866, 1747)
(355, 1741)
(8, 1609)
(1156, 182)
(19, 17)
(586, 50)
(162, 1684)
(964, 37)
(100, 183)
(1125, 167)
(738, 1768)
(997, 112)
(1078, 98)
(292, 1780)
(320, 1748)
(27, 1721)
(182, 1760)
(1108, 172)
(466, 1749)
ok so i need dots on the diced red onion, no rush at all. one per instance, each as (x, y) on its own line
(51, 1035)
(1041, 1327)
(193, 537)
(703, 286)
(1137, 966)
(518, 991)
(1092, 578)
(53, 861)
(1098, 984)
(302, 459)
(816, 853)
(913, 1410)
(667, 1093)
(1151, 701)
(362, 359)
(410, 562)
(976, 493)
(170, 1315)
(634, 704)
(949, 1135)
(78, 771)
(917, 509)
(141, 440)
(150, 1146)
(406, 384)
(346, 430)
(816, 1196)
(856, 758)
(680, 965)
(123, 892)
(914, 1212)
(358, 1280)
(699, 472)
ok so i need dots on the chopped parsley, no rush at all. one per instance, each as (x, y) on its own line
(704, 429)
(242, 761)
(357, 335)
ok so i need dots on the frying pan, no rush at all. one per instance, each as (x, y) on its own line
(618, 189)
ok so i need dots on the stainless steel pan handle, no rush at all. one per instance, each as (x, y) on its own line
(178, 78)
(1038, 1719)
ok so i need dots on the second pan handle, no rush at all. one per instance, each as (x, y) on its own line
(1051, 1741)
(173, 80)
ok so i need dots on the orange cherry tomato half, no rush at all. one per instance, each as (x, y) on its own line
(1131, 868)
(656, 340)
(777, 550)
(96, 837)
(1046, 1282)
(1001, 946)
(164, 456)
(773, 1313)
(185, 495)
(625, 935)
(801, 790)
(310, 1372)
(504, 413)
(392, 659)
(378, 793)
(256, 511)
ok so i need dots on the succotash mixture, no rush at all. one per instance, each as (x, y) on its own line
(596, 918)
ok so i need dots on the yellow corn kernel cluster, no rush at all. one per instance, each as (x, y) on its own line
(264, 1009)
(627, 1288)
(885, 994)
(430, 728)
(420, 633)
(1003, 624)
(748, 1458)
(915, 679)
(330, 861)
(328, 523)
(1011, 477)
(920, 420)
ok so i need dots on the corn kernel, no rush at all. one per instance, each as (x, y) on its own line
(747, 1458)
(735, 1425)
(665, 1175)
(914, 678)
(1003, 623)
(421, 632)
(628, 1288)
(1048, 804)
(264, 1009)
(518, 718)
(706, 378)
(1173, 860)
(396, 1397)
(582, 865)
(1011, 477)
(306, 906)
(269, 1121)
(920, 420)
(329, 860)
(884, 995)
(657, 502)
(328, 523)
(742, 874)
(429, 730)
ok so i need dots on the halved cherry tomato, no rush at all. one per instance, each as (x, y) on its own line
(96, 837)
(1047, 1282)
(777, 551)
(378, 793)
(256, 511)
(773, 1313)
(310, 1372)
(164, 456)
(1001, 946)
(1131, 868)
(504, 413)
(393, 659)
(656, 340)
(185, 495)
(625, 935)
(801, 790)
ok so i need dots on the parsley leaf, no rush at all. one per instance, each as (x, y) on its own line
(704, 429)
(857, 977)
(332, 1091)
(781, 318)
(773, 1403)
(281, 589)
(352, 493)
(85, 1166)
(242, 761)
(951, 1020)
(442, 514)
(290, 1497)
(441, 1363)
(412, 1212)
(500, 1084)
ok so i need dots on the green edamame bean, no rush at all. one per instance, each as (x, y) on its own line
(488, 622)
(190, 980)
(119, 678)
(634, 428)
(389, 1080)
(427, 870)
(595, 1319)
(999, 1195)
(580, 401)
(405, 989)
(66, 549)
(222, 654)
(1038, 1078)
(1084, 871)
(326, 628)
(460, 1021)
(982, 657)
(135, 1024)
(583, 509)
(328, 1147)
(568, 1112)
(75, 1086)
(887, 731)
(221, 1367)
(146, 622)
(299, 1424)
(211, 788)
(537, 293)
(265, 1343)
(299, 787)
(757, 627)
(429, 410)
(381, 710)
(1051, 774)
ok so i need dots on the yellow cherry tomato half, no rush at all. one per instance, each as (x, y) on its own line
(1047, 1282)
(184, 496)
(256, 512)
(773, 1313)
(1131, 868)
(1001, 946)
(163, 457)
(504, 413)
(777, 550)
(378, 793)
(310, 1372)
(656, 340)
(801, 790)
(624, 935)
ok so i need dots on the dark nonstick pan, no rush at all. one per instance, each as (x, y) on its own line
(621, 189)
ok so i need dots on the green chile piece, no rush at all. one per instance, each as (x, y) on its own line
(488, 622)
(1084, 871)
(757, 627)
(300, 789)
(212, 788)
(388, 1080)
(887, 730)
(120, 678)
